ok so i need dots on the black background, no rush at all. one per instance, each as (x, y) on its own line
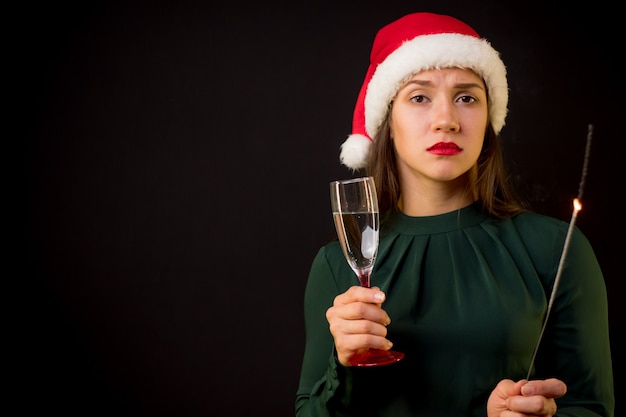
(176, 165)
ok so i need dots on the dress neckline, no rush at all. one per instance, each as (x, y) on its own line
(467, 216)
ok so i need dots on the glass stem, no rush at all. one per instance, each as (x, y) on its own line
(364, 279)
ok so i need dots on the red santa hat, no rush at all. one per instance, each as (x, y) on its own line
(411, 44)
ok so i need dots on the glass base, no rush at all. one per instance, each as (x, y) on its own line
(375, 357)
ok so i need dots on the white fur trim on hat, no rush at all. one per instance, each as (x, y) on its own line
(354, 151)
(445, 50)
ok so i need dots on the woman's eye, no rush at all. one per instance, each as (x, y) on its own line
(466, 99)
(418, 99)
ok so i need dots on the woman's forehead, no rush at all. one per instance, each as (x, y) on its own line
(455, 72)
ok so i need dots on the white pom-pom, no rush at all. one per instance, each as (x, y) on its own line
(354, 151)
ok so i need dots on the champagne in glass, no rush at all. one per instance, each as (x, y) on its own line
(355, 211)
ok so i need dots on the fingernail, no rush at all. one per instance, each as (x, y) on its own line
(527, 390)
(379, 296)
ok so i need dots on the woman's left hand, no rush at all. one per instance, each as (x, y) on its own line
(525, 398)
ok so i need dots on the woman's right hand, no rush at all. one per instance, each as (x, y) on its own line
(525, 398)
(358, 322)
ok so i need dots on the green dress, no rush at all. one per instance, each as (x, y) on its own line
(467, 295)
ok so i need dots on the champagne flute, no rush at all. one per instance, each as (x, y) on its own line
(355, 211)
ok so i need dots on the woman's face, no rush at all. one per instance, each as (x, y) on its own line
(438, 123)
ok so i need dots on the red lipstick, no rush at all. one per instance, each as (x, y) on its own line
(445, 148)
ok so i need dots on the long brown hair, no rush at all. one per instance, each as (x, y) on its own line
(490, 182)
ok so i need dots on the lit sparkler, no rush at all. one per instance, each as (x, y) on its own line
(577, 207)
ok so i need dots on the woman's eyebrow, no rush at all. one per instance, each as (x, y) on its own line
(427, 83)
(469, 85)
(424, 83)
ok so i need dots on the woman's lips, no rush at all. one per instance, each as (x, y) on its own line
(445, 148)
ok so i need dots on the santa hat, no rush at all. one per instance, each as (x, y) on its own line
(411, 44)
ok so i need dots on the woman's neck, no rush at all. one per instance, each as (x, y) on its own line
(434, 198)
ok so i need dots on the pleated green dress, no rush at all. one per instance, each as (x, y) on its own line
(467, 295)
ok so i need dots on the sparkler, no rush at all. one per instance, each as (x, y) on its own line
(577, 207)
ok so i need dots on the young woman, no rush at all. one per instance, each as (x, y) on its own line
(464, 271)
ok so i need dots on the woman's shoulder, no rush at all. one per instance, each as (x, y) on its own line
(543, 232)
(331, 254)
(534, 228)
(532, 219)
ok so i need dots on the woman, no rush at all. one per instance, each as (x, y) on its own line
(464, 271)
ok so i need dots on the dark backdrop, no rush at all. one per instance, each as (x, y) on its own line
(177, 158)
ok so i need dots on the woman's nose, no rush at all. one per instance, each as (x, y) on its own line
(445, 117)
